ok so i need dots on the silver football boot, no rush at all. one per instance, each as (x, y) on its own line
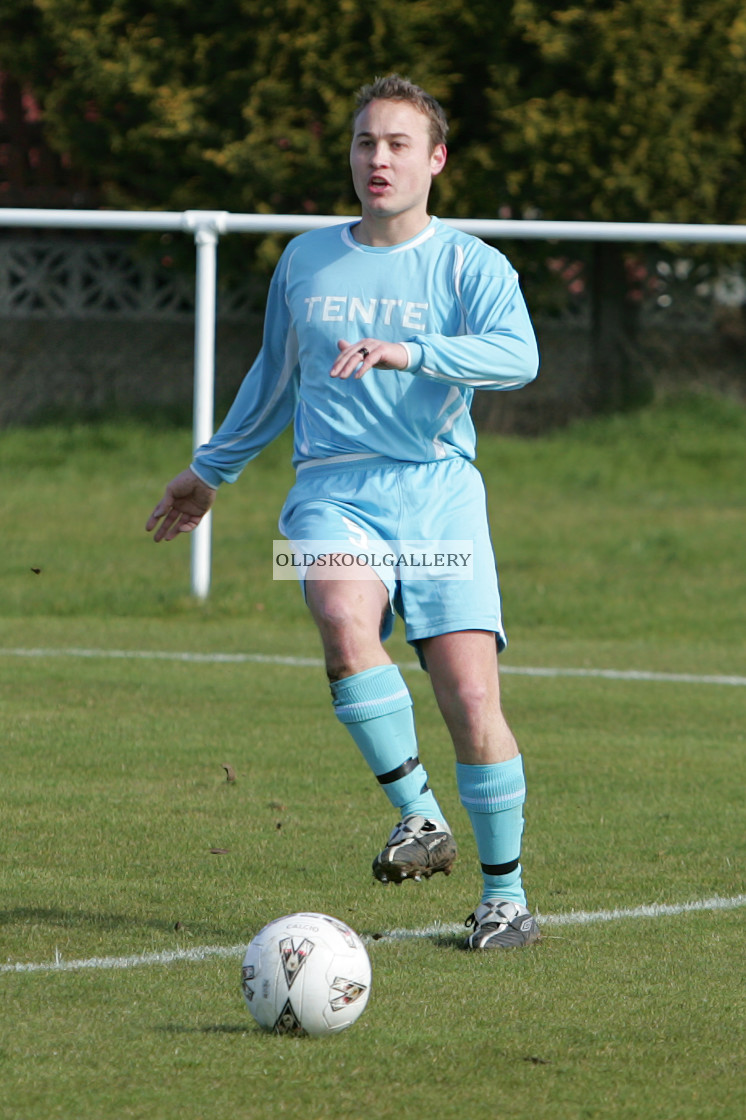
(416, 849)
(501, 925)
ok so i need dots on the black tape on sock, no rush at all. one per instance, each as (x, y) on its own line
(400, 772)
(500, 868)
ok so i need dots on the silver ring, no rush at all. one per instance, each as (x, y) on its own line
(364, 351)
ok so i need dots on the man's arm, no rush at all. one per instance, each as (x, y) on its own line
(263, 407)
(266, 400)
(496, 349)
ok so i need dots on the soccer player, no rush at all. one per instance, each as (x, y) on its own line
(377, 333)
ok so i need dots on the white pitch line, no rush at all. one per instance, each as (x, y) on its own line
(316, 662)
(168, 956)
(625, 675)
(170, 655)
(205, 952)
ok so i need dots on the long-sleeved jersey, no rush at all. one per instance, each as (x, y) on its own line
(453, 301)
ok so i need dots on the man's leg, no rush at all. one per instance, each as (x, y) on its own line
(464, 672)
(371, 698)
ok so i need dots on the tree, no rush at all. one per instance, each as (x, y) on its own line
(626, 110)
(239, 105)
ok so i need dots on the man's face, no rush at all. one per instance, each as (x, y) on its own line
(391, 160)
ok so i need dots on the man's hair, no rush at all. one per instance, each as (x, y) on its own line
(395, 88)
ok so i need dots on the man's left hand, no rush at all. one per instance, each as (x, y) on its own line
(356, 358)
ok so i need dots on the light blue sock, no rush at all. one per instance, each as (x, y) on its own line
(376, 707)
(493, 797)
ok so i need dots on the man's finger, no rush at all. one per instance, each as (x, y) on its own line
(155, 517)
(164, 516)
(352, 358)
(162, 508)
(163, 530)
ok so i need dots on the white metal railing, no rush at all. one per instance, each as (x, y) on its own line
(207, 226)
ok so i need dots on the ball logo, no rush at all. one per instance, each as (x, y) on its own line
(349, 936)
(287, 1021)
(294, 954)
(247, 974)
(347, 992)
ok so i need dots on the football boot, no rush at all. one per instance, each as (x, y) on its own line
(500, 925)
(416, 849)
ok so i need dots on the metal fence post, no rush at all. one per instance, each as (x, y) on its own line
(206, 227)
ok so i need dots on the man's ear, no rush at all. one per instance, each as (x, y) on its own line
(438, 159)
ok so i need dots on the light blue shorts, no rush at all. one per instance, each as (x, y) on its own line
(387, 500)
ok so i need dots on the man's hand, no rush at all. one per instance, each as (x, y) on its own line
(185, 502)
(356, 358)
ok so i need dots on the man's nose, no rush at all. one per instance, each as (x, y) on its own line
(379, 155)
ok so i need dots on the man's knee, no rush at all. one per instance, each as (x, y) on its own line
(342, 621)
(350, 628)
(333, 614)
(343, 608)
(472, 696)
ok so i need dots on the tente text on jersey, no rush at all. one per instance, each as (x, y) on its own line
(388, 311)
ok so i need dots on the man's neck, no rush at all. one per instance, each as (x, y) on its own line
(384, 231)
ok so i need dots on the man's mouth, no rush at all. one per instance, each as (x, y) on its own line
(377, 183)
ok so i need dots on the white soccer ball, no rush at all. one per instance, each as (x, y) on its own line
(306, 974)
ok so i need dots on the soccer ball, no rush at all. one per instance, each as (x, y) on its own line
(306, 974)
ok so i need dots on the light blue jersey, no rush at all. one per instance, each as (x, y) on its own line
(452, 300)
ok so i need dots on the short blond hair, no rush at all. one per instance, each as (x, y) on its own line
(395, 88)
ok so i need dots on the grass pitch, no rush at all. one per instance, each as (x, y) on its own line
(620, 547)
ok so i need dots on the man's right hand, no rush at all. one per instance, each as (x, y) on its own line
(185, 502)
